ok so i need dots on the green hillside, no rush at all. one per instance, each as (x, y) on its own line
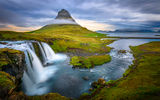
(71, 39)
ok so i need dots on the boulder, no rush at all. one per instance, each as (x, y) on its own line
(86, 78)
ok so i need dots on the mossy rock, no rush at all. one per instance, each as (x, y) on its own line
(7, 83)
(122, 51)
(12, 61)
(49, 96)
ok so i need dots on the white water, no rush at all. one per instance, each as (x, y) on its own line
(36, 73)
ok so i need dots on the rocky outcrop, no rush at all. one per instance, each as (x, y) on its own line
(12, 66)
(64, 17)
(64, 14)
(12, 62)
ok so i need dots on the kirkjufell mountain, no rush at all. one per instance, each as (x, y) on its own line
(64, 17)
(64, 14)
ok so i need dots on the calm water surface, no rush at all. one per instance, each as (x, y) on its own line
(153, 35)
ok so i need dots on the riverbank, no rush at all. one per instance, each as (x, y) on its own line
(139, 82)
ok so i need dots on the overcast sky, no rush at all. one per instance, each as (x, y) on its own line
(26, 15)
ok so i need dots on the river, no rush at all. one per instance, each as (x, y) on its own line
(57, 75)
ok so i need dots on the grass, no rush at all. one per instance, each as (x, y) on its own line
(141, 81)
(89, 61)
(72, 39)
(63, 38)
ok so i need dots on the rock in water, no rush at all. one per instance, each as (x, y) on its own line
(86, 78)
(64, 14)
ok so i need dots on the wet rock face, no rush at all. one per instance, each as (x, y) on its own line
(12, 66)
(64, 14)
(15, 62)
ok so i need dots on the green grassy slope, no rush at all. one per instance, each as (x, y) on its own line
(65, 29)
(78, 41)
(141, 81)
(72, 39)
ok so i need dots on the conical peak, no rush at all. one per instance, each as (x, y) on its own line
(64, 14)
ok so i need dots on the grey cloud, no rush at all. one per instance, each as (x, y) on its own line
(145, 6)
(8, 17)
(30, 12)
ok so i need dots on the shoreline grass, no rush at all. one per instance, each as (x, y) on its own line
(140, 82)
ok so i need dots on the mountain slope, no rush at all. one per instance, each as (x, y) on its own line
(65, 29)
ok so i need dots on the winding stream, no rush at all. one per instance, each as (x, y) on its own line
(55, 74)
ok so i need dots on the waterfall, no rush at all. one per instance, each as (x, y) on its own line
(36, 72)
(31, 46)
(47, 53)
(36, 75)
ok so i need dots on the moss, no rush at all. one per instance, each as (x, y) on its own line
(12, 51)
(75, 61)
(89, 61)
(6, 80)
(141, 81)
(4, 60)
(50, 96)
(110, 82)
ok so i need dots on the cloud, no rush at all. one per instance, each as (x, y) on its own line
(93, 25)
(17, 28)
(118, 13)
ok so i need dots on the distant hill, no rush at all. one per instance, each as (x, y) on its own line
(127, 30)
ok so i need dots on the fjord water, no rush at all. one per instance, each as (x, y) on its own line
(55, 74)
(133, 34)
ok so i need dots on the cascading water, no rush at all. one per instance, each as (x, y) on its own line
(48, 54)
(36, 74)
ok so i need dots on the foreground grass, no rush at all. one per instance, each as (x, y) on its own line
(140, 82)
